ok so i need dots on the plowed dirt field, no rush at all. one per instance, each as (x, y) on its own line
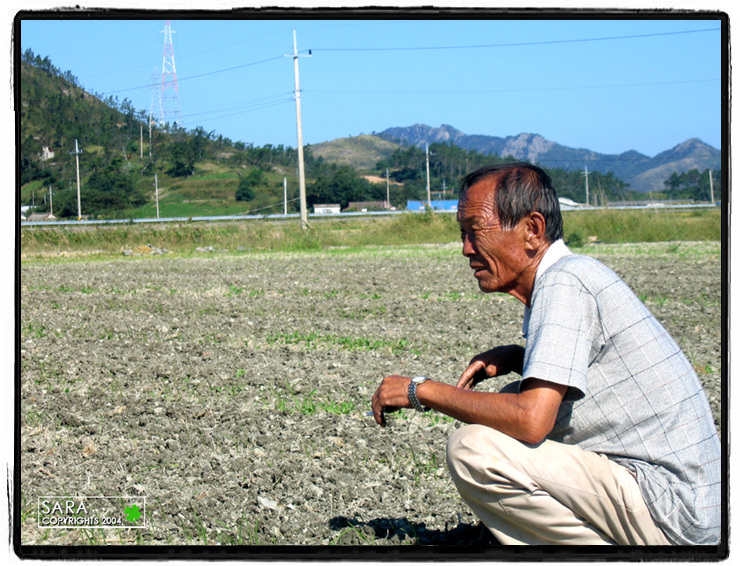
(230, 389)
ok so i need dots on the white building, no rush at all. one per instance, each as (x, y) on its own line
(568, 204)
(327, 209)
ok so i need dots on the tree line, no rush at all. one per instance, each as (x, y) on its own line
(694, 185)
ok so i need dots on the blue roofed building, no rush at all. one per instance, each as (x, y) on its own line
(441, 205)
(451, 205)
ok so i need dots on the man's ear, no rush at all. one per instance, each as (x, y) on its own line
(535, 228)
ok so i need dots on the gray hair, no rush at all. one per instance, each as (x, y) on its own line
(520, 188)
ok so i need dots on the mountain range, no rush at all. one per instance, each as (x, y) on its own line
(643, 173)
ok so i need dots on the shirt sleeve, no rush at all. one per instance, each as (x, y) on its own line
(560, 335)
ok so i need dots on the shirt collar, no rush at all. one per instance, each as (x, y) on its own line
(553, 254)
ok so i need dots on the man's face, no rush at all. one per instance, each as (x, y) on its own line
(497, 256)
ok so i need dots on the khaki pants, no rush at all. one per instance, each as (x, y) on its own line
(548, 493)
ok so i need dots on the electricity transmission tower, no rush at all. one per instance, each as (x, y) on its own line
(169, 98)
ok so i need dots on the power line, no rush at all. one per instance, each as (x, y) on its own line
(234, 68)
(209, 73)
(238, 112)
(181, 57)
(415, 92)
(421, 48)
(247, 104)
(518, 44)
(214, 113)
(231, 45)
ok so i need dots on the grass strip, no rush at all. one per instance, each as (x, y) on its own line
(581, 227)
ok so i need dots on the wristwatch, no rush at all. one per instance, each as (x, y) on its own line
(415, 382)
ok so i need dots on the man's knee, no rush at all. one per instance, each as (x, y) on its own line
(481, 455)
(465, 447)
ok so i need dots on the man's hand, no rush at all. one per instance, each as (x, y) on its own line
(393, 394)
(495, 362)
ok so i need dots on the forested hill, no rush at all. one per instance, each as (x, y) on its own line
(120, 153)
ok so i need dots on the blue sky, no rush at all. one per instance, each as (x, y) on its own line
(609, 85)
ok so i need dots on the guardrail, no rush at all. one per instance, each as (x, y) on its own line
(25, 223)
(85, 222)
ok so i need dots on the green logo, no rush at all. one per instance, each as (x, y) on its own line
(132, 513)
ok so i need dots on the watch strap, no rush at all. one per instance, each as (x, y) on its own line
(412, 395)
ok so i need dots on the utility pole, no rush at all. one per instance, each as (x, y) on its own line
(51, 203)
(141, 141)
(387, 189)
(155, 97)
(285, 196)
(76, 153)
(585, 174)
(711, 186)
(301, 169)
(156, 193)
(429, 190)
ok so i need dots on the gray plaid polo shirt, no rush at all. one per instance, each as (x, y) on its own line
(633, 396)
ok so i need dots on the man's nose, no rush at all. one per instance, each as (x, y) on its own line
(468, 248)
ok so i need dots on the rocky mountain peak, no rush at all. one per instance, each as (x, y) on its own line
(630, 166)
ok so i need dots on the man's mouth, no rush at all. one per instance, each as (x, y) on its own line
(476, 267)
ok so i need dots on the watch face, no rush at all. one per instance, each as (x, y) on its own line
(419, 379)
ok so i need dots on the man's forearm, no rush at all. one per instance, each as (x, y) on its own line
(528, 416)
